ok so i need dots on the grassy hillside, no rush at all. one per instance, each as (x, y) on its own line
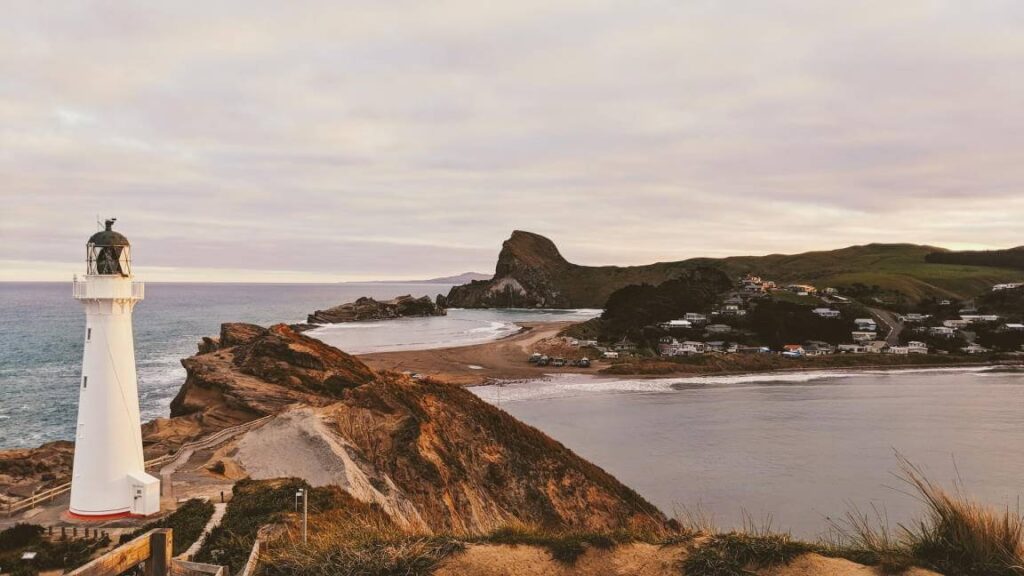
(531, 272)
(901, 268)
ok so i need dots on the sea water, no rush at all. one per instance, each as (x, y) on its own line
(44, 328)
(801, 449)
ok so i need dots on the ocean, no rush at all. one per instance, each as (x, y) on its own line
(41, 343)
(798, 449)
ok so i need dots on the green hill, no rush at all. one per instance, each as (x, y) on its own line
(531, 272)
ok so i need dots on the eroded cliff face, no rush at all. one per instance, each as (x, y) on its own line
(433, 455)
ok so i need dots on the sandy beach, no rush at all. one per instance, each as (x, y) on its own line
(504, 359)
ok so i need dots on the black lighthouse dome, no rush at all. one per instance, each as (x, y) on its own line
(108, 252)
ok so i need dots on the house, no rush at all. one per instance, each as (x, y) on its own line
(753, 349)
(972, 318)
(961, 323)
(1014, 326)
(624, 345)
(676, 324)
(585, 343)
(668, 346)
(611, 355)
(819, 347)
(830, 291)
(732, 310)
(794, 348)
(901, 350)
(945, 302)
(944, 331)
(719, 328)
(866, 324)
(850, 349)
(826, 312)
(802, 289)
(715, 346)
(876, 346)
(692, 347)
(914, 317)
(861, 336)
(695, 317)
(974, 349)
(914, 347)
(1010, 286)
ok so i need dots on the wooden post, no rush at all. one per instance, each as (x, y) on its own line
(63, 532)
(161, 544)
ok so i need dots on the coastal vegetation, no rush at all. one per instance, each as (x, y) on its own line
(61, 553)
(1009, 258)
(187, 522)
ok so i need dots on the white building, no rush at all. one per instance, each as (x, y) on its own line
(915, 347)
(866, 324)
(944, 331)
(695, 318)
(826, 312)
(109, 476)
(1010, 286)
(861, 336)
(677, 324)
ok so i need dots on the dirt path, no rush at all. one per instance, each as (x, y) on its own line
(504, 359)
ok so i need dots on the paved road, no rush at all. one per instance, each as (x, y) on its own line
(891, 323)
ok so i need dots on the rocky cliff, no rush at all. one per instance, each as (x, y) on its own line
(370, 309)
(531, 272)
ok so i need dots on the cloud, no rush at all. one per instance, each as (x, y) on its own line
(327, 140)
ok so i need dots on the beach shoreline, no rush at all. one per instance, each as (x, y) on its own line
(505, 359)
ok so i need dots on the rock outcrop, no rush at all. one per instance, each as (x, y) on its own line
(531, 273)
(370, 309)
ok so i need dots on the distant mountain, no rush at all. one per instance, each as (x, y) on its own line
(463, 278)
(532, 273)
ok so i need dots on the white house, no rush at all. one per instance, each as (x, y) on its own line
(850, 349)
(914, 317)
(972, 318)
(901, 350)
(866, 324)
(719, 328)
(944, 331)
(914, 347)
(876, 346)
(677, 324)
(692, 347)
(826, 312)
(956, 323)
(974, 349)
(1009, 286)
(695, 317)
(861, 336)
(1015, 326)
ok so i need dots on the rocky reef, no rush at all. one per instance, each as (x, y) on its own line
(370, 309)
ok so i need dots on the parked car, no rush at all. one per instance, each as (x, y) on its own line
(543, 361)
(535, 357)
(584, 363)
(559, 362)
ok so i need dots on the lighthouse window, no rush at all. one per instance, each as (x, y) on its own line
(85, 381)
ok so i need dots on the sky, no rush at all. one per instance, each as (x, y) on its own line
(331, 141)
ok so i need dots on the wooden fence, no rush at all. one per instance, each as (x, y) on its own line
(186, 449)
(152, 550)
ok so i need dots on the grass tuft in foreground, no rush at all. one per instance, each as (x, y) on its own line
(564, 547)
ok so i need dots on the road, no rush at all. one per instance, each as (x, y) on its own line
(890, 322)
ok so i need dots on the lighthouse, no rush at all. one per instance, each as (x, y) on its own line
(109, 476)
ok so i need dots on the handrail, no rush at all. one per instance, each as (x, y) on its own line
(25, 503)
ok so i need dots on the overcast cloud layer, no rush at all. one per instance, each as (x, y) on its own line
(342, 140)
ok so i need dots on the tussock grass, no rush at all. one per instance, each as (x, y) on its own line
(565, 547)
(346, 544)
(956, 536)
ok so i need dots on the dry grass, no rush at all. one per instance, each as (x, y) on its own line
(956, 536)
(344, 544)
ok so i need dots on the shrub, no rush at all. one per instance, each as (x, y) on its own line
(187, 522)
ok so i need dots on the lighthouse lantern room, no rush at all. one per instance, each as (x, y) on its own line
(109, 478)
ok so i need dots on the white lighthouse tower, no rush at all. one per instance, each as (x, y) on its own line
(109, 477)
